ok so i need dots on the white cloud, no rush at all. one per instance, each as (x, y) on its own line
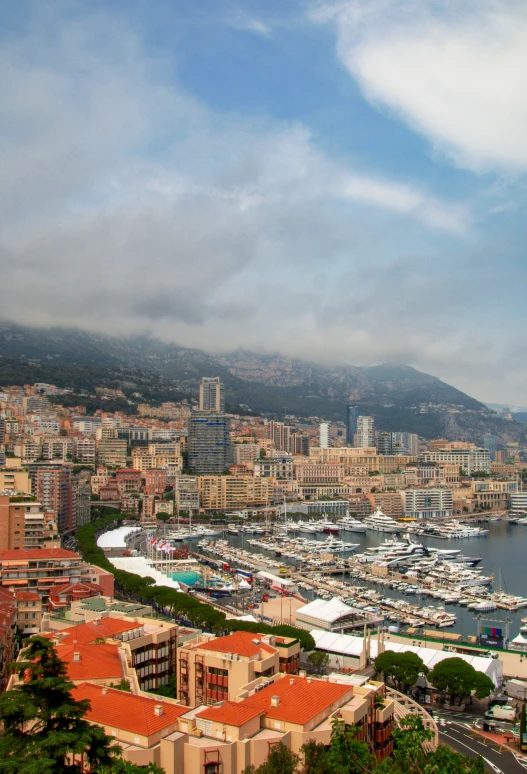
(457, 73)
(250, 24)
(128, 206)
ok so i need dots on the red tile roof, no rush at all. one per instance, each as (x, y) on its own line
(231, 713)
(89, 632)
(97, 662)
(300, 700)
(38, 553)
(238, 642)
(126, 711)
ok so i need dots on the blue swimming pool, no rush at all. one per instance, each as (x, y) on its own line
(188, 578)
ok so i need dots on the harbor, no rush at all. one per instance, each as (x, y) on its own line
(412, 577)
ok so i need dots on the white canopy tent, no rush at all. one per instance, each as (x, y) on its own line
(350, 646)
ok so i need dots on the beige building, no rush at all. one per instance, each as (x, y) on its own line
(309, 472)
(390, 503)
(213, 669)
(218, 493)
(112, 452)
(25, 524)
(14, 480)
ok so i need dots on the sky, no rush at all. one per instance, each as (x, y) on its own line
(339, 180)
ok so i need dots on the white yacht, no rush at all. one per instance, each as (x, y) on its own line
(379, 522)
(351, 524)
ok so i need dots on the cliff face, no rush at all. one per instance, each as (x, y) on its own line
(399, 397)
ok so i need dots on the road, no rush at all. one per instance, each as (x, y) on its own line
(458, 732)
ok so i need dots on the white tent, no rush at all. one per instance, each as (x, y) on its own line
(348, 645)
(139, 566)
(115, 538)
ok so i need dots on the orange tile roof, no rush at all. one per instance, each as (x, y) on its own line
(231, 713)
(300, 701)
(38, 553)
(77, 586)
(126, 711)
(89, 632)
(238, 642)
(97, 662)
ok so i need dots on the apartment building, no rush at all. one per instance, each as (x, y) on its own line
(85, 450)
(57, 447)
(228, 737)
(424, 474)
(14, 480)
(208, 442)
(111, 645)
(211, 394)
(318, 473)
(44, 569)
(220, 493)
(8, 627)
(25, 524)
(112, 451)
(241, 453)
(428, 503)
(275, 467)
(81, 501)
(469, 460)
(390, 503)
(346, 455)
(187, 493)
(214, 669)
(365, 437)
(28, 612)
(52, 486)
(155, 481)
(128, 480)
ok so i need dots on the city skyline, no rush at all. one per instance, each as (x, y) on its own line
(356, 167)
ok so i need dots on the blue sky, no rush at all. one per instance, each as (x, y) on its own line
(342, 180)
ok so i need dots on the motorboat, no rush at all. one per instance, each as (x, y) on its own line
(351, 524)
(379, 522)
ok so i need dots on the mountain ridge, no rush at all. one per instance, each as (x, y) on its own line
(399, 397)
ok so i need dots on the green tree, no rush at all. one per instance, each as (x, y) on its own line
(318, 660)
(402, 668)
(458, 679)
(163, 516)
(122, 685)
(347, 755)
(43, 724)
(280, 761)
(169, 689)
(315, 758)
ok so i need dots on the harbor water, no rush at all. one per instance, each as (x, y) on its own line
(503, 555)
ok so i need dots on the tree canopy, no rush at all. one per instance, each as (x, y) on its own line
(402, 668)
(459, 679)
(43, 724)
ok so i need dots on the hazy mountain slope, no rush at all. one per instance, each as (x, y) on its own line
(398, 396)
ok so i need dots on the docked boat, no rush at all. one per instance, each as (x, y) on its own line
(351, 524)
(379, 522)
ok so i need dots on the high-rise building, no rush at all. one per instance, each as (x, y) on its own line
(280, 435)
(405, 443)
(53, 489)
(365, 432)
(211, 394)
(208, 442)
(352, 414)
(2, 430)
(490, 442)
(323, 435)
(384, 443)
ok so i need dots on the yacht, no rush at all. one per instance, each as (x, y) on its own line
(379, 522)
(306, 528)
(454, 529)
(351, 524)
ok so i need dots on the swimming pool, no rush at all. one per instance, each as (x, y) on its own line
(188, 578)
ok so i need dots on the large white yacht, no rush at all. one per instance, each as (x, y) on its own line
(351, 524)
(379, 522)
